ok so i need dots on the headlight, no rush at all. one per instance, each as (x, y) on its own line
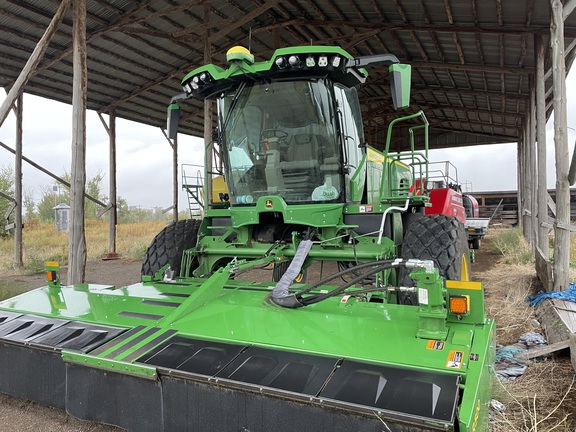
(195, 82)
(294, 61)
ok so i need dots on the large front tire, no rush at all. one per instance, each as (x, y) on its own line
(169, 245)
(439, 238)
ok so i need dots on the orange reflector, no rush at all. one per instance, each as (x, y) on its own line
(52, 276)
(459, 304)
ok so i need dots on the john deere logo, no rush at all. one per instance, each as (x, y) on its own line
(269, 203)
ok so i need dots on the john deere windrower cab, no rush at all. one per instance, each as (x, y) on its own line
(366, 321)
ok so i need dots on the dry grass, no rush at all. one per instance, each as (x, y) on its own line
(507, 287)
(544, 398)
(42, 242)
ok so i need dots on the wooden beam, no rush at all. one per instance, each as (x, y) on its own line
(32, 62)
(550, 204)
(562, 236)
(520, 180)
(18, 184)
(543, 350)
(473, 67)
(113, 221)
(420, 27)
(419, 89)
(244, 20)
(568, 9)
(6, 196)
(572, 170)
(54, 176)
(532, 176)
(542, 187)
(455, 109)
(499, 138)
(77, 238)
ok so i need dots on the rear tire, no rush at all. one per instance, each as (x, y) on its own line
(169, 245)
(439, 238)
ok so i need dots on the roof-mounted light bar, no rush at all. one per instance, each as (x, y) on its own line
(309, 61)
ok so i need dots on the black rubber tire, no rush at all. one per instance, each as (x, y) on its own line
(169, 245)
(439, 238)
(475, 243)
(280, 269)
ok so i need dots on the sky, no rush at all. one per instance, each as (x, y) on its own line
(144, 157)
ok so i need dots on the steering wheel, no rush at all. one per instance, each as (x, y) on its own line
(274, 133)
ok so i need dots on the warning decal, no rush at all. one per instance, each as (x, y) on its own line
(435, 345)
(455, 359)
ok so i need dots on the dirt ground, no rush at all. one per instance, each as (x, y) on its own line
(19, 415)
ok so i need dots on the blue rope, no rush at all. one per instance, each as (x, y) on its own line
(569, 294)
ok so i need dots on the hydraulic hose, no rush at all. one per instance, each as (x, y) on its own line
(282, 297)
(339, 274)
(280, 294)
(320, 297)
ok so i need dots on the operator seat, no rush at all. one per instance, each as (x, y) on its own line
(301, 167)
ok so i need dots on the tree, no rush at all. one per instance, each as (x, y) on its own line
(29, 205)
(60, 194)
(91, 209)
(50, 199)
(122, 210)
(7, 188)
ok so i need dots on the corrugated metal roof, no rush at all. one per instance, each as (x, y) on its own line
(472, 59)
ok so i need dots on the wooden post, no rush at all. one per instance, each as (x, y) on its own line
(77, 238)
(542, 194)
(562, 235)
(18, 185)
(533, 176)
(520, 181)
(543, 266)
(113, 191)
(32, 61)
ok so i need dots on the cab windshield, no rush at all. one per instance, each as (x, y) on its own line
(280, 139)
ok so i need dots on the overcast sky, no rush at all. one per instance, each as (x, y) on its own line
(144, 157)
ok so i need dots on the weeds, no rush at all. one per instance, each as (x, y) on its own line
(42, 242)
(511, 244)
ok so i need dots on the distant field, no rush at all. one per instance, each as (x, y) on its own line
(42, 242)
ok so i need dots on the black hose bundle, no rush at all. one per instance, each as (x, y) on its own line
(282, 297)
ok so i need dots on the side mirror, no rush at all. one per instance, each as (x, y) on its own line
(173, 119)
(400, 81)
